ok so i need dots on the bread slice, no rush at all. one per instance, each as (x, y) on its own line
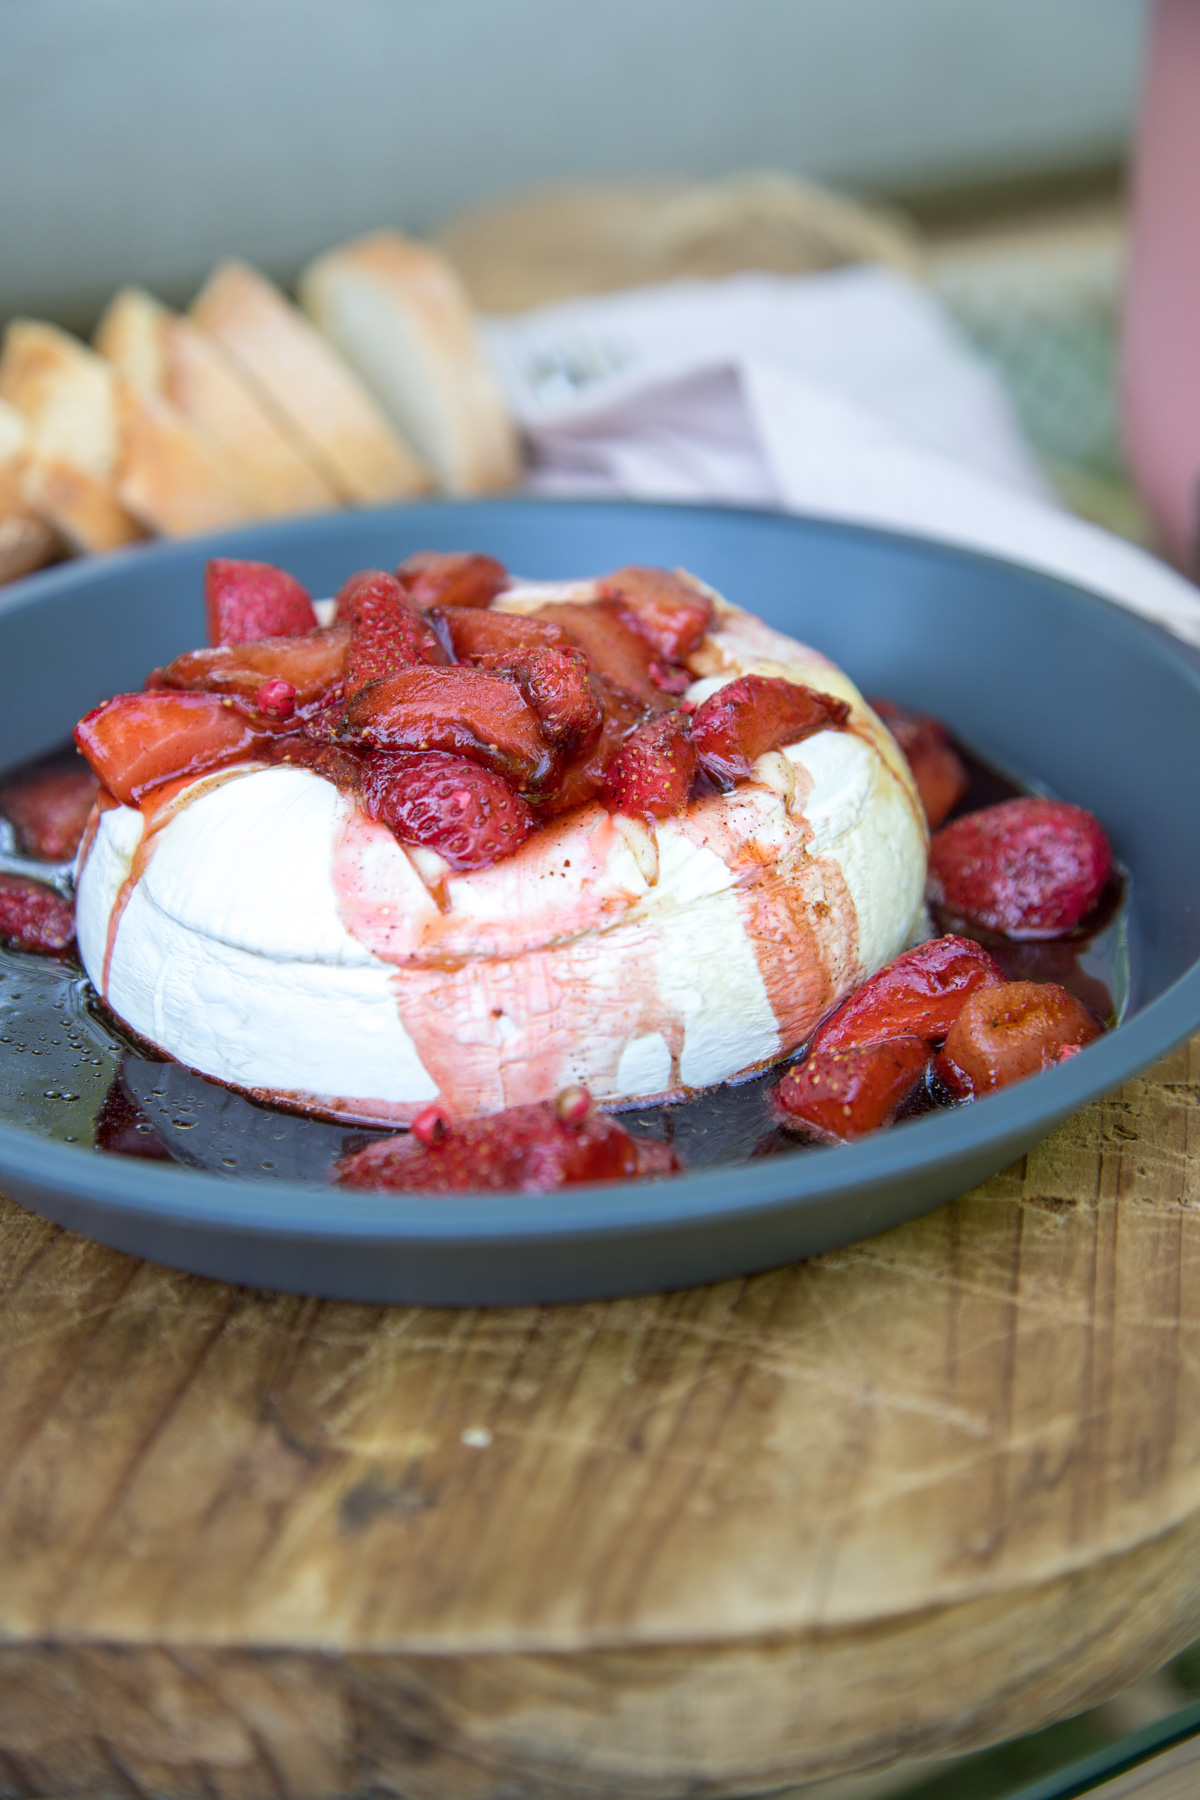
(400, 316)
(307, 387)
(169, 475)
(160, 353)
(27, 541)
(68, 395)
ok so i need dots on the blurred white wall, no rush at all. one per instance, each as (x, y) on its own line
(141, 139)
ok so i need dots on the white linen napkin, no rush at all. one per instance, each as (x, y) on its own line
(848, 395)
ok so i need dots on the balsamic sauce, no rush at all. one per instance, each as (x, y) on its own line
(72, 1073)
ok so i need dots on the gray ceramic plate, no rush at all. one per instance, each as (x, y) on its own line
(1065, 691)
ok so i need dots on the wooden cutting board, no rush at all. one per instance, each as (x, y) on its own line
(919, 1494)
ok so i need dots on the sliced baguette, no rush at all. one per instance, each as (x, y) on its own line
(169, 475)
(160, 353)
(399, 314)
(27, 541)
(68, 395)
(308, 387)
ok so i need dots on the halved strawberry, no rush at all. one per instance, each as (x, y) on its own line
(1004, 1034)
(611, 645)
(48, 812)
(452, 578)
(460, 709)
(663, 605)
(468, 814)
(138, 741)
(845, 1092)
(33, 917)
(936, 766)
(653, 770)
(1030, 868)
(388, 634)
(247, 600)
(754, 714)
(313, 666)
(919, 994)
(529, 1148)
(581, 777)
(556, 685)
(475, 632)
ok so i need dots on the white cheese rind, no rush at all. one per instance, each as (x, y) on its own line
(278, 940)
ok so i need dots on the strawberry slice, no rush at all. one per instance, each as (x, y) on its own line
(48, 812)
(556, 685)
(468, 814)
(1030, 868)
(530, 1148)
(919, 994)
(388, 634)
(1004, 1034)
(474, 633)
(663, 605)
(33, 917)
(337, 763)
(460, 709)
(847, 1091)
(313, 666)
(247, 600)
(754, 714)
(611, 646)
(653, 771)
(582, 777)
(936, 766)
(452, 578)
(138, 741)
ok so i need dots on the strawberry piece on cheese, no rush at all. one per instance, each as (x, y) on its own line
(138, 741)
(754, 714)
(387, 633)
(468, 814)
(664, 607)
(460, 709)
(452, 578)
(653, 771)
(313, 666)
(245, 600)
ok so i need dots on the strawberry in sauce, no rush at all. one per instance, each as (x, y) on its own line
(451, 578)
(387, 632)
(49, 811)
(1028, 868)
(653, 770)
(534, 1149)
(1004, 1034)
(937, 768)
(33, 917)
(848, 1091)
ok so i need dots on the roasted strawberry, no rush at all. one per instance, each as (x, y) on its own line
(452, 578)
(480, 633)
(653, 770)
(556, 685)
(754, 714)
(936, 766)
(461, 709)
(1006, 1033)
(919, 994)
(313, 666)
(138, 741)
(530, 1148)
(663, 606)
(468, 814)
(337, 763)
(48, 812)
(582, 777)
(33, 917)
(247, 600)
(612, 647)
(388, 634)
(846, 1091)
(1030, 868)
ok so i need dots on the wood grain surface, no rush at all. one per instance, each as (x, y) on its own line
(911, 1497)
